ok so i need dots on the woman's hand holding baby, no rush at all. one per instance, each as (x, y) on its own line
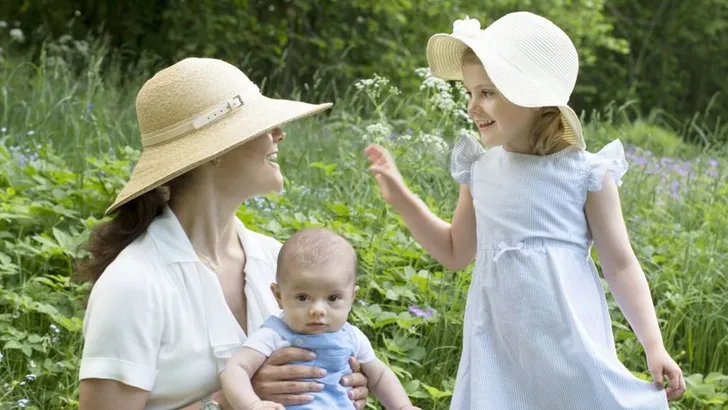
(266, 405)
(279, 381)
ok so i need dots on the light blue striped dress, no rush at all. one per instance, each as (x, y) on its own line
(537, 332)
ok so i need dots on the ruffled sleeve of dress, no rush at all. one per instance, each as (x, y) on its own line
(609, 159)
(464, 154)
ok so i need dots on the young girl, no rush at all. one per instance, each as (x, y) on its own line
(537, 332)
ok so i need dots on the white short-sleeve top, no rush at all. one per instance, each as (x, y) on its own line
(157, 318)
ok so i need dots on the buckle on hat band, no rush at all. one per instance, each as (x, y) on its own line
(194, 123)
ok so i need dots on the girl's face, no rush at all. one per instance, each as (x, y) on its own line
(499, 121)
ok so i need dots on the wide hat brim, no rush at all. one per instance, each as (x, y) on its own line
(158, 164)
(444, 56)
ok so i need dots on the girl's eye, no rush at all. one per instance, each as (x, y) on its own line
(486, 93)
(301, 298)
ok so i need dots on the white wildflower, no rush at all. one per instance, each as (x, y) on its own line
(22, 403)
(30, 377)
(53, 327)
(434, 142)
(373, 86)
(3, 24)
(16, 34)
(31, 132)
(377, 133)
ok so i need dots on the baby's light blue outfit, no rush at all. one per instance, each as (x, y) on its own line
(537, 332)
(333, 351)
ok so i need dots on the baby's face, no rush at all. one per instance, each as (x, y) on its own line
(316, 300)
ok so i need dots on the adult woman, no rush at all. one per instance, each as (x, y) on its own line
(160, 323)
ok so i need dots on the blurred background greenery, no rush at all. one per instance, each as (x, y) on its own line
(665, 55)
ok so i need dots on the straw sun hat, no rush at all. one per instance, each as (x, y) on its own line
(530, 60)
(195, 111)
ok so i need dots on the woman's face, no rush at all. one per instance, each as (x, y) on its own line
(254, 164)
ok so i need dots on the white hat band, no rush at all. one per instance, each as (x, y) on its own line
(196, 122)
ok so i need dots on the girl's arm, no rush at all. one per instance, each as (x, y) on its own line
(626, 280)
(452, 245)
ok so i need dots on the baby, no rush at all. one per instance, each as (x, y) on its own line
(316, 286)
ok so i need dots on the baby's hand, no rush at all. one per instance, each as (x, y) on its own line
(266, 405)
(390, 181)
(661, 364)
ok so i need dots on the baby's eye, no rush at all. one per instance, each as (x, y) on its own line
(334, 298)
(301, 298)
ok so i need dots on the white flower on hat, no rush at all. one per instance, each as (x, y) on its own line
(466, 27)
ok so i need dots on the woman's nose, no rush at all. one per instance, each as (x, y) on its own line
(278, 135)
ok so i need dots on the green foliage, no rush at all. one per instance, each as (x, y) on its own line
(657, 52)
(62, 161)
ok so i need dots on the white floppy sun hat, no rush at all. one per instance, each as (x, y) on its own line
(196, 110)
(530, 60)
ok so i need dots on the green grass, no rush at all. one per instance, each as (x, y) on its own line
(68, 140)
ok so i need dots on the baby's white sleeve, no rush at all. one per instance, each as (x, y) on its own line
(364, 352)
(123, 328)
(266, 341)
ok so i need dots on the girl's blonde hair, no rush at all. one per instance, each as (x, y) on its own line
(548, 128)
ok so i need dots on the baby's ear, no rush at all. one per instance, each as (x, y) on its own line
(276, 294)
(356, 292)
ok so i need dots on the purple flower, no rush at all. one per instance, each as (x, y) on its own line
(713, 162)
(675, 189)
(417, 311)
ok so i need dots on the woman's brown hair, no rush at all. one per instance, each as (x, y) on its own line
(108, 239)
(548, 128)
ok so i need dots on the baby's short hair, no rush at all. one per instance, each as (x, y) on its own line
(316, 247)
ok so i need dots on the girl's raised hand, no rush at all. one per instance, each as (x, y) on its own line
(391, 184)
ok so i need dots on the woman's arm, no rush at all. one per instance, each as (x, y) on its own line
(104, 394)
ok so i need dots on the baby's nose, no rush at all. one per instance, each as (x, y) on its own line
(318, 309)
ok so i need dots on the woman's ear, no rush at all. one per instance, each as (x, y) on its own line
(276, 294)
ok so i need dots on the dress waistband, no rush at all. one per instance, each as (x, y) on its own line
(501, 247)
